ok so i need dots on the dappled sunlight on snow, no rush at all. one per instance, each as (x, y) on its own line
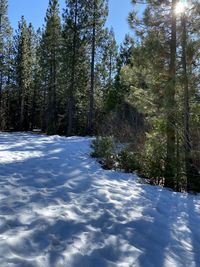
(9, 157)
(58, 208)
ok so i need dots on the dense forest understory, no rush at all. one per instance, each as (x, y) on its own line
(71, 78)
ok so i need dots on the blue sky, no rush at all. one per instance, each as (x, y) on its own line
(34, 11)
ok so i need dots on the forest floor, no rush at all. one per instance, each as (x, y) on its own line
(59, 208)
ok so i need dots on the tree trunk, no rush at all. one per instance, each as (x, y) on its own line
(91, 91)
(51, 97)
(8, 99)
(54, 100)
(187, 146)
(170, 170)
(1, 77)
(44, 117)
(71, 89)
(1, 87)
(22, 107)
(33, 109)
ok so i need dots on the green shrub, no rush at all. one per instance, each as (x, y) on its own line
(128, 161)
(103, 148)
(154, 157)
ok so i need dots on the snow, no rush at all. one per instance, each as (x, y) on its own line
(59, 208)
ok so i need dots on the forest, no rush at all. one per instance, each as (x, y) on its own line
(71, 78)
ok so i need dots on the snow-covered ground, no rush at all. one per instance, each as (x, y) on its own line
(58, 208)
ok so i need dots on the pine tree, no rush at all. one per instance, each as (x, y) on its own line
(189, 36)
(36, 85)
(157, 31)
(170, 173)
(119, 91)
(51, 47)
(97, 13)
(164, 81)
(5, 44)
(23, 44)
(75, 65)
(106, 69)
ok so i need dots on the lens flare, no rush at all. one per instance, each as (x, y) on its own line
(180, 7)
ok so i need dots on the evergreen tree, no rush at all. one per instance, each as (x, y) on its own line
(97, 12)
(51, 63)
(188, 39)
(24, 63)
(5, 45)
(75, 65)
(117, 93)
(106, 68)
(36, 95)
(108, 65)
(163, 86)
(170, 173)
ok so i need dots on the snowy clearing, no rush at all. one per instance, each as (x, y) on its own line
(58, 208)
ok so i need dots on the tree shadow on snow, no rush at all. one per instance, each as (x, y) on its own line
(60, 209)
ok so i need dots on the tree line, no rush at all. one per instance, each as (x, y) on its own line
(157, 89)
(168, 82)
(55, 78)
(70, 78)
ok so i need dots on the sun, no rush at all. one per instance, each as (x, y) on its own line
(180, 7)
